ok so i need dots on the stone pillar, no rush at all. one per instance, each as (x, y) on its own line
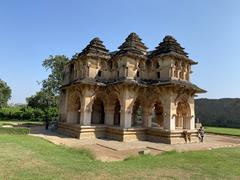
(85, 119)
(86, 107)
(125, 120)
(192, 122)
(127, 98)
(169, 110)
(192, 117)
(147, 118)
(109, 115)
(86, 111)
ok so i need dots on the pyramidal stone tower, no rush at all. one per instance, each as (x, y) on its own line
(130, 94)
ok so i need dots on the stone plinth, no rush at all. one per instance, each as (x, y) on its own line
(129, 134)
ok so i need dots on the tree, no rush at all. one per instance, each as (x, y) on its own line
(5, 93)
(55, 79)
(48, 96)
(42, 100)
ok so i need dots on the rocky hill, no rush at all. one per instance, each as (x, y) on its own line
(218, 112)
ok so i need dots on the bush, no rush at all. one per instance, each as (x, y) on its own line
(27, 113)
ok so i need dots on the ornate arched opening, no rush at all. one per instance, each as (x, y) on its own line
(157, 115)
(74, 110)
(183, 116)
(137, 115)
(98, 115)
(117, 108)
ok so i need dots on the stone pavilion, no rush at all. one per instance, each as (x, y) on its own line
(130, 94)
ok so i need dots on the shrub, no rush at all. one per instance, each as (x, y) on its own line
(28, 113)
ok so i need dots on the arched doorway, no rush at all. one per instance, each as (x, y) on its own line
(157, 115)
(137, 115)
(98, 114)
(183, 116)
(117, 109)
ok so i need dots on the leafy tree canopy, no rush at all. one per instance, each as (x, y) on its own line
(42, 100)
(5, 93)
(55, 79)
(48, 95)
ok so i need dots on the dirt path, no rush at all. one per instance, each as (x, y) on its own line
(110, 150)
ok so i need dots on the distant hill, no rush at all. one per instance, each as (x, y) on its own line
(218, 112)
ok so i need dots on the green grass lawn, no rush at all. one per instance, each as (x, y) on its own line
(27, 157)
(225, 131)
(17, 122)
(15, 131)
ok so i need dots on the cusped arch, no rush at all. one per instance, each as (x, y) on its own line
(74, 108)
(183, 115)
(98, 112)
(74, 100)
(157, 114)
(137, 112)
(182, 97)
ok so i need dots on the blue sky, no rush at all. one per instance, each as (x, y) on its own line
(30, 31)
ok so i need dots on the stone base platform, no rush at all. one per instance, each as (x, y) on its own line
(172, 137)
(129, 134)
(82, 132)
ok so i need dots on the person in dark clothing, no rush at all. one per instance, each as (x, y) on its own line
(201, 133)
(46, 122)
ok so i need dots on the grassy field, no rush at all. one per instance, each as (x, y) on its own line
(15, 131)
(224, 131)
(17, 123)
(27, 157)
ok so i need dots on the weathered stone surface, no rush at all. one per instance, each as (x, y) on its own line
(133, 45)
(168, 45)
(95, 48)
(103, 93)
